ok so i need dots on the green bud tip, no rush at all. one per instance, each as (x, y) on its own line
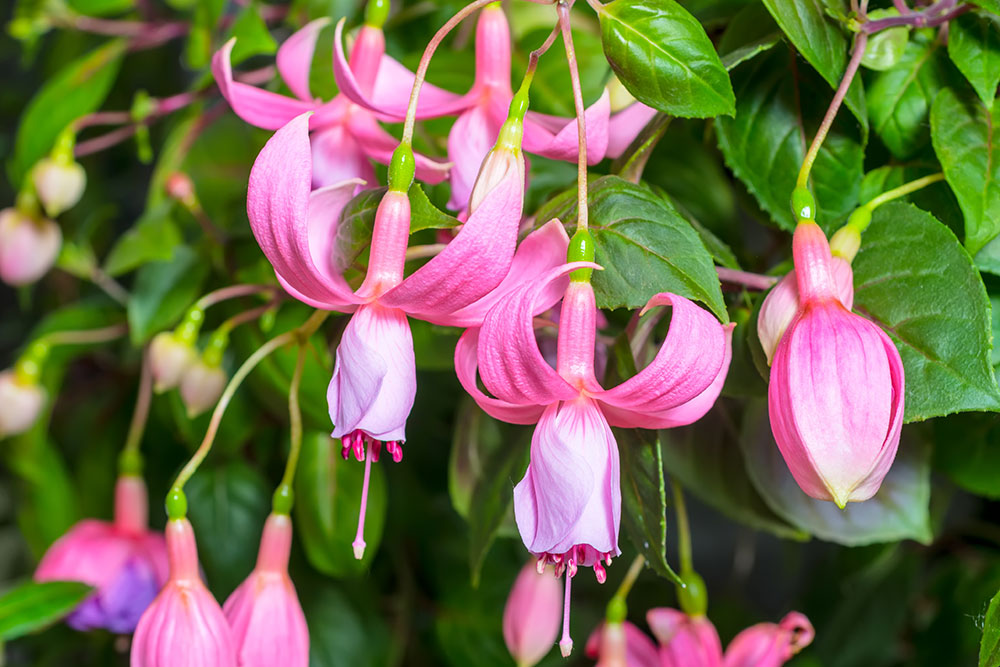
(283, 499)
(187, 331)
(616, 611)
(581, 249)
(28, 368)
(62, 152)
(130, 463)
(693, 596)
(402, 168)
(803, 204)
(177, 504)
(217, 344)
(376, 13)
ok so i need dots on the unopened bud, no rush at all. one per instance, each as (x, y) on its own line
(498, 163)
(169, 358)
(28, 246)
(201, 386)
(21, 401)
(59, 184)
(531, 615)
(180, 188)
(847, 240)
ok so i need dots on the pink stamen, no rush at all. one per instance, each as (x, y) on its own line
(359, 445)
(600, 573)
(540, 564)
(359, 538)
(376, 450)
(566, 643)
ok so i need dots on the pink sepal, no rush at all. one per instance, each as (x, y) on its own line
(770, 645)
(685, 641)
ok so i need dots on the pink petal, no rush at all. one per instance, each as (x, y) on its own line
(531, 615)
(337, 157)
(493, 51)
(570, 494)
(374, 379)
(563, 143)
(639, 651)
(470, 139)
(770, 645)
(258, 107)
(466, 367)
(472, 264)
(541, 251)
(626, 125)
(294, 59)
(379, 145)
(685, 641)
(692, 358)
(284, 223)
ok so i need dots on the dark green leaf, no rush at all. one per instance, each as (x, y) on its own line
(969, 151)
(327, 501)
(34, 605)
(750, 33)
(171, 155)
(78, 89)
(898, 511)
(821, 41)
(969, 452)
(252, 37)
(340, 633)
(989, 651)
(644, 245)
(163, 291)
(663, 56)
(974, 47)
(914, 279)
(765, 143)
(900, 98)
(153, 238)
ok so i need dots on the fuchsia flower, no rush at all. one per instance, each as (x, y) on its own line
(568, 505)
(836, 390)
(21, 402)
(770, 645)
(29, 247)
(621, 645)
(268, 624)
(184, 626)
(124, 561)
(483, 109)
(345, 136)
(531, 616)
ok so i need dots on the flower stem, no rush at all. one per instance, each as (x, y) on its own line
(749, 280)
(231, 292)
(85, 337)
(903, 190)
(634, 570)
(130, 452)
(582, 219)
(683, 529)
(294, 420)
(935, 15)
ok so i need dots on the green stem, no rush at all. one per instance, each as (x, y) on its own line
(683, 529)
(903, 190)
(283, 496)
(85, 337)
(634, 570)
(130, 461)
(231, 292)
(582, 216)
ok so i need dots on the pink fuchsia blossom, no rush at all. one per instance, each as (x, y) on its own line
(184, 626)
(531, 616)
(21, 402)
(769, 644)
(568, 505)
(201, 386)
(482, 110)
(124, 561)
(59, 184)
(169, 359)
(345, 136)
(782, 303)
(28, 246)
(621, 645)
(836, 390)
(269, 627)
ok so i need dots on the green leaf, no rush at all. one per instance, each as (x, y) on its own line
(750, 33)
(989, 650)
(900, 509)
(776, 113)
(101, 7)
(34, 605)
(77, 89)
(823, 44)
(153, 238)
(989, 5)
(914, 279)
(962, 130)
(900, 97)
(228, 506)
(252, 37)
(163, 291)
(339, 632)
(327, 501)
(974, 47)
(551, 89)
(664, 58)
(199, 48)
(969, 452)
(644, 245)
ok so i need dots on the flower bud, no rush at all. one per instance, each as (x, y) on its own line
(169, 359)
(21, 401)
(201, 386)
(531, 615)
(621, 645)
(770, 645)
(59, 184)
(836, 392)
(28, 247)
(180, 188)
(685, 641)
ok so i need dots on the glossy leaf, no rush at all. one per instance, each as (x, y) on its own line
(163, 291)
(663, 56)
(78, 89)
(327, 501)
(644, 245)
(750, 33)
(766, 141)
(969, 151)
(153, 238)
(252, 36)
(974, 47)
(900, 509)
(900, 98)
(914, 279)
(34, 605)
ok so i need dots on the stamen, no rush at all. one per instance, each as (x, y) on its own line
(540, 564)
(394, 449)
(359, 538)
(359, 445)
(572, 562)
(600, 573)
(566, 643)
(376, 450)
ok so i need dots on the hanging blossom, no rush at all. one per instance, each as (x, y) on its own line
(345, 136)
(621, 645)
(374, 379)
(482, 110)
(568, 505)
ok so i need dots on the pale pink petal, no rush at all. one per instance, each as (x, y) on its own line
(564, 143)
(379, 145)
(278, 205)
(466, 367)
(625, 126)
(258, 107)
(570, 494)
(472, 264)
(691, 358)
(374, 379)
(531, 615)
(493, 51)
(337, 157)
(685, 641)
(470, 139)
(639, 650)
(294, 59)
(768, 644)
